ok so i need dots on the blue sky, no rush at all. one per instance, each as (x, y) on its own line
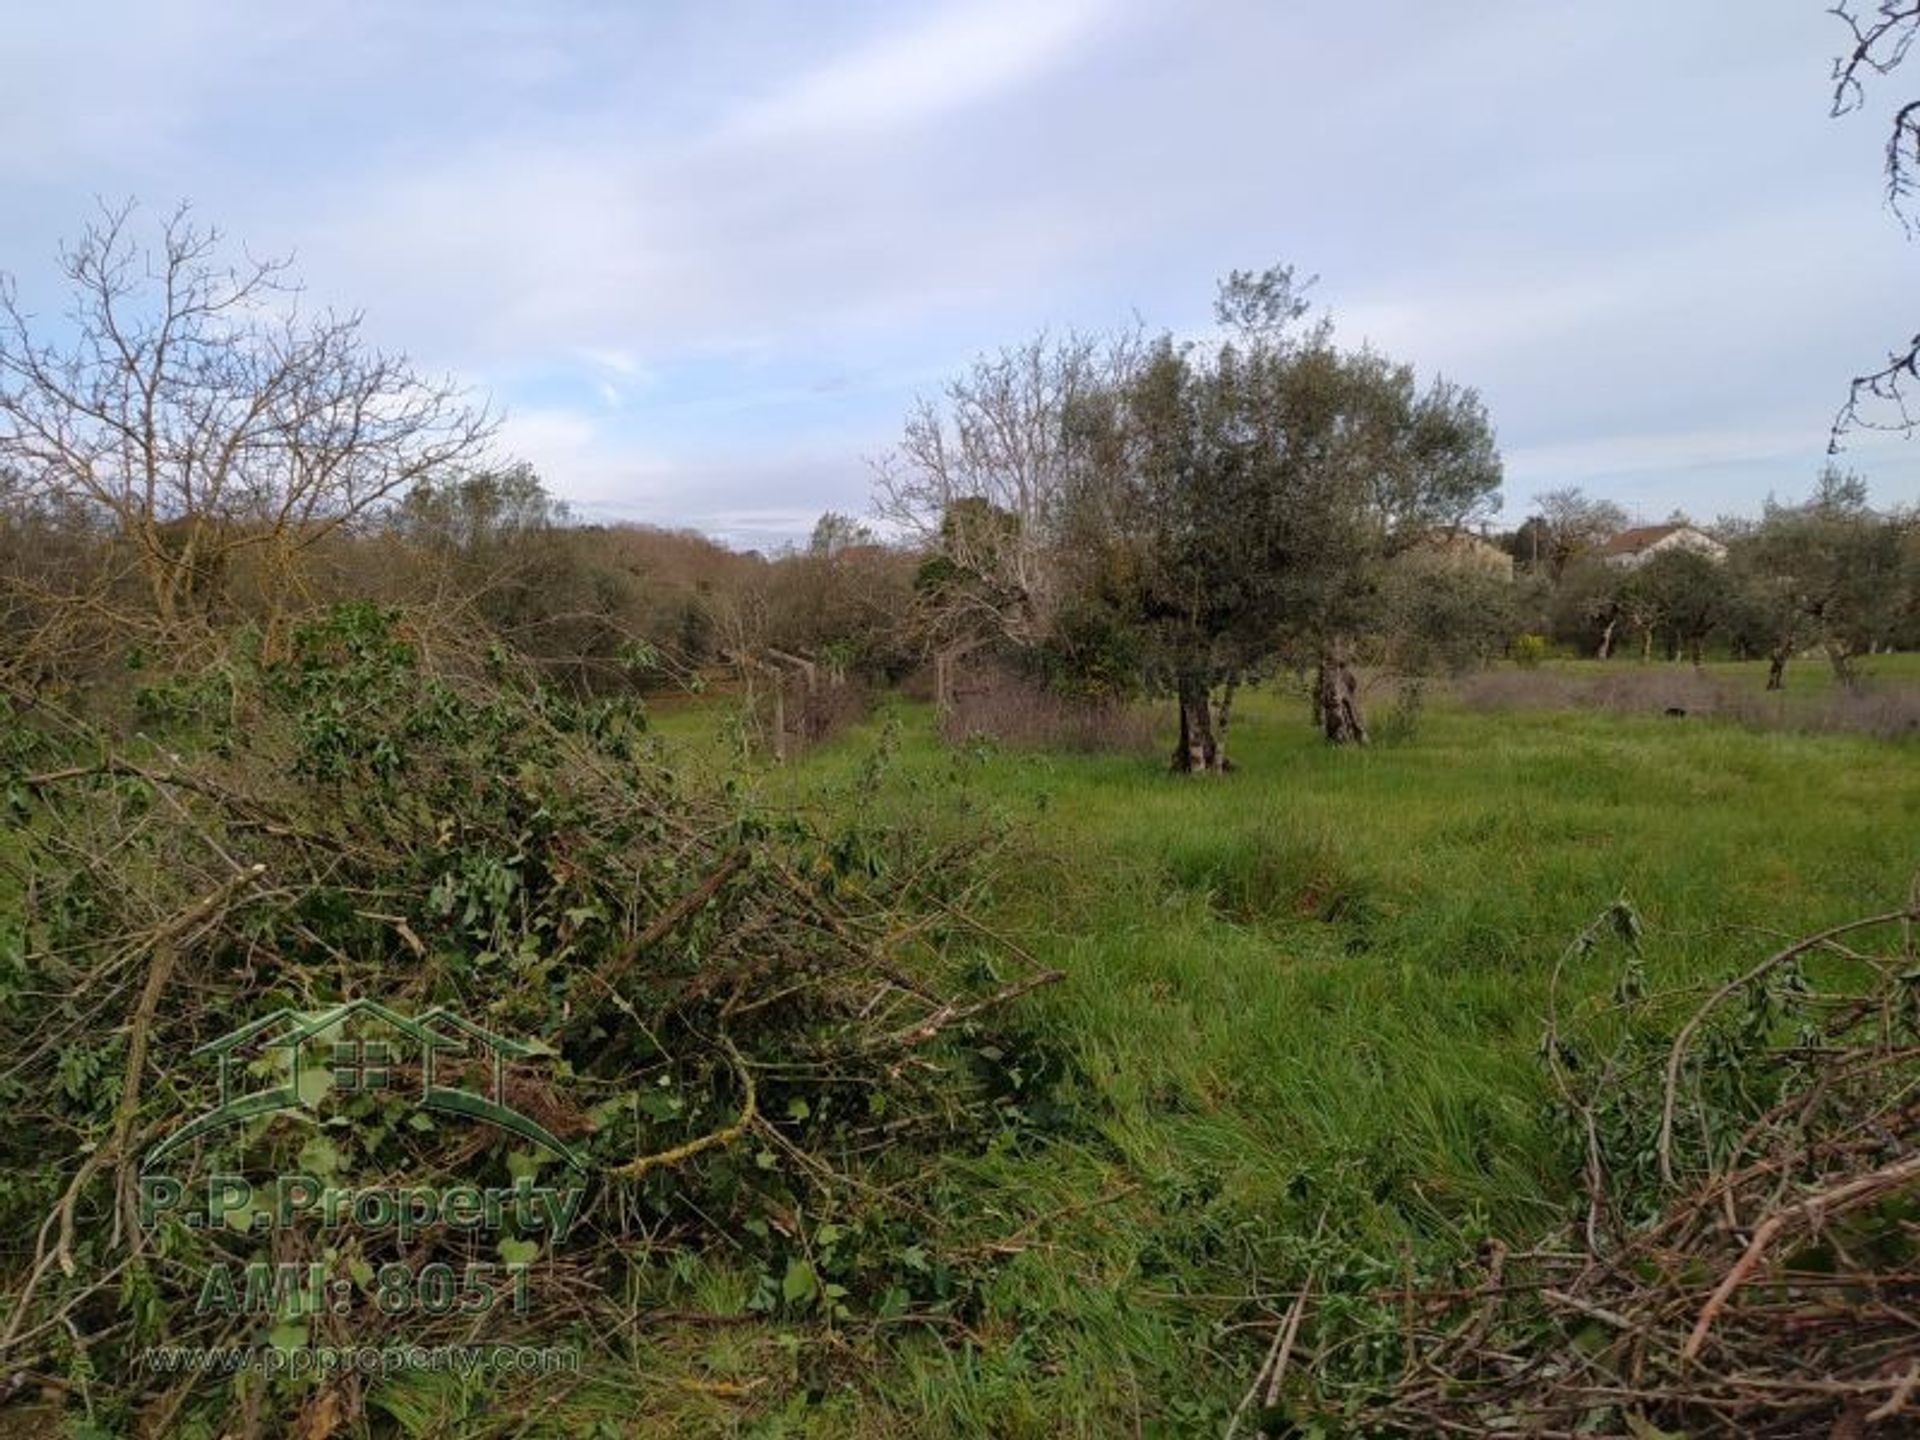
(704, 256)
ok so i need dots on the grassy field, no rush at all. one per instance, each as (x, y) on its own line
(1301, 1019)
(1809, 673)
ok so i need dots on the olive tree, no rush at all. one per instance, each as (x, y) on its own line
(1831, 571)
(1585, 607)
(1245, 495)
(1691, 596)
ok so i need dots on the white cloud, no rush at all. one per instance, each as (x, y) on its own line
(536, 433)
(579, 459)
(962, 55)
(622, 363)
(684, 224)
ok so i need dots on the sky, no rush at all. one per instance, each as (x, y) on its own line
(705, 256)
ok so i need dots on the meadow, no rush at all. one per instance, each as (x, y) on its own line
(1299, 1026)
(1295, 1042)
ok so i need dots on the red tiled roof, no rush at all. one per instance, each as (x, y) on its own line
(1632, 542)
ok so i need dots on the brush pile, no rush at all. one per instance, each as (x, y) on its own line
(1746, 1261)
(746, 1031)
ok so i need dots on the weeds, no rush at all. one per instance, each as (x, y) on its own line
(1007, 709)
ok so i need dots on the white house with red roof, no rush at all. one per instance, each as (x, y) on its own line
(1640, 544)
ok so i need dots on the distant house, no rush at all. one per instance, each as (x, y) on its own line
(1640, 544)
(1458, 552)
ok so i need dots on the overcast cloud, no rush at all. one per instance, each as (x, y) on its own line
(705, 255)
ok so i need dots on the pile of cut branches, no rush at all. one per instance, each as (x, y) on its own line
(748, 1030)
(1746, 1261)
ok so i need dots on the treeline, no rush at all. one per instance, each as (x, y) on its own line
(187, 461)
(1827, 575)
(1109, 516)
(1126, 514)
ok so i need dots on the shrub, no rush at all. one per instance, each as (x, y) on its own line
(1529, 650)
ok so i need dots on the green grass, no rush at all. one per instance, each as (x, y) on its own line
(1807, 677)
(1308, 997)
(1809, 673)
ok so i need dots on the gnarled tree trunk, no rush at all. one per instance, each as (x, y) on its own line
(1199, 751)
(1777, 666)
(1222, 716)
(1337, 696)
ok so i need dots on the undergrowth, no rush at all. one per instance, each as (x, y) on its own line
(755, 1034)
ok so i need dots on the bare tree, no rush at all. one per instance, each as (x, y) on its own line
(981, 479)
(192, 411)
(1881, 36)
(1573, 524)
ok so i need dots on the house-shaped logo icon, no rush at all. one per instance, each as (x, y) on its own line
(384, 1046)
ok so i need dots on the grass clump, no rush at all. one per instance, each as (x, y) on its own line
(1273, 871)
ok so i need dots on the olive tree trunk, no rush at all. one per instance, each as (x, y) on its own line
(1199, 751)
(1337, 696)
(1222, 716)
(1777, 667)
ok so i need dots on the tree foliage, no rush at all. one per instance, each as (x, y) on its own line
(1829, 571)
(1248, 491)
